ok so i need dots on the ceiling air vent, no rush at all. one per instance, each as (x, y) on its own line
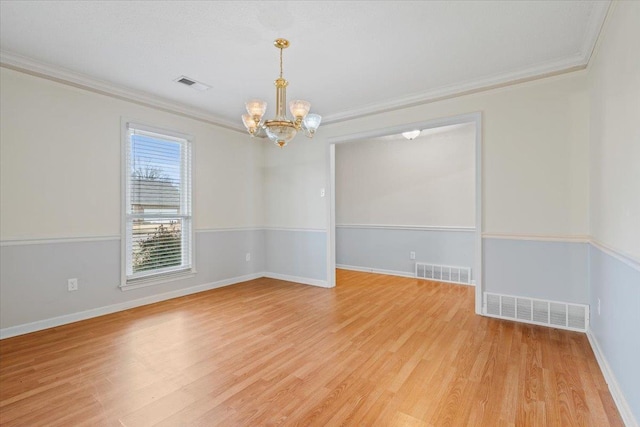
(194, 84)
(186, 81)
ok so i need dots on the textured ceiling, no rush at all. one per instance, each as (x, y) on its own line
(348, 58)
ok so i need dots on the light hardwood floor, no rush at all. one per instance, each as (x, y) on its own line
(376, 350)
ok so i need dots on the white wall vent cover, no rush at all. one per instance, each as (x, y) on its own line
(443, 273)
(555, 314)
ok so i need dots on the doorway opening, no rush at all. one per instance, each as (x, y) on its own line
(395, 212)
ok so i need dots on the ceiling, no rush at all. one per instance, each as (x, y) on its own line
(348, 58)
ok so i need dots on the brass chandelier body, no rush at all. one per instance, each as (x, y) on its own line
(281, 130)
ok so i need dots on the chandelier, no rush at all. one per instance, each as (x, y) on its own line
(280, 129)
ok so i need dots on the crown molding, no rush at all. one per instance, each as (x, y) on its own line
(61, 75)
(595, 28)
(575, 63)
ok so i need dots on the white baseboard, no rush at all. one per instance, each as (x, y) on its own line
(614, 387)
(376, 270)
(297, 279)
(39, 325)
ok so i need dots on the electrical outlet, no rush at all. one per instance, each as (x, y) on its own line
(72, 285)
(412, 255)
(247, 257)
(598, 306)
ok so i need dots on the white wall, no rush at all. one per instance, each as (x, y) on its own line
(614, 261)
(292, 181)
(60, 167)
(535, 152)
(429, 181)
(560, 161)
(294, 210)
(535, 164)
(535, 167)
(60, 163)
(614, 81)
(60, 170)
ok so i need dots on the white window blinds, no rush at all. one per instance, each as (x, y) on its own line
(158, 218)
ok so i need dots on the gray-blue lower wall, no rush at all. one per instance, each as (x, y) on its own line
(546, 270)
(387, 249)
(549, 270)
(33, 277)
(297, 254)
(616, 328)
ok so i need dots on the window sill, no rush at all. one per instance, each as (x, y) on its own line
(158, 279)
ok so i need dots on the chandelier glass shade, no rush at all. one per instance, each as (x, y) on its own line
(281, 129)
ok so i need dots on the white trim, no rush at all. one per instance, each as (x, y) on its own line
(39, 325)
(158, 278)
(410, 275)
(44, 241)
(297, 279)
(394, 130)
(549, 69)
(223, 229)
(537, 237)
(610, 378)
(576, 62)
(621, 256)
(407, 227)
(27, 241)
(124, 155)
(129, 127)
(597, 38)
(82, 81)
(478, 258)
(594, 29)
(308, 230)
(330, 205)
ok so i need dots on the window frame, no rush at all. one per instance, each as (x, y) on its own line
(167, 274)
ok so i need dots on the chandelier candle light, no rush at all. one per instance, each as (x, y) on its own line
(281, 130)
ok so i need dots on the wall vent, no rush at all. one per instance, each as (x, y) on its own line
(555, 314)
(443, 273)
(185, 81)
(192, 83)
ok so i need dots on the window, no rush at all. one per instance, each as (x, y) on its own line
(157, 205)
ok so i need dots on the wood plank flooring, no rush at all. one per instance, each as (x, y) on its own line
(375, 350)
